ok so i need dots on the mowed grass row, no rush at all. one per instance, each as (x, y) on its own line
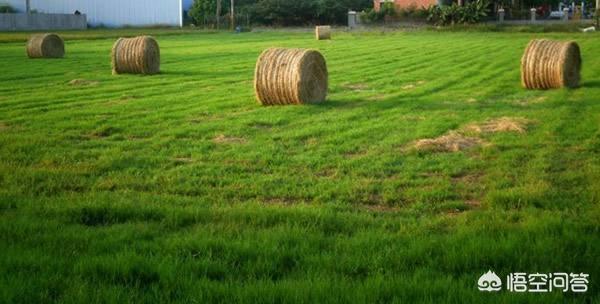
(180, 187)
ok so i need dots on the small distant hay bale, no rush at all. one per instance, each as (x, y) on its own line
(323, 32)
(550, 64)
(45, 46)
(290, 76)
(139, 55)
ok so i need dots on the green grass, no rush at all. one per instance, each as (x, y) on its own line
(181, 188)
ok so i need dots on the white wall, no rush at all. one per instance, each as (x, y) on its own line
(112, 12)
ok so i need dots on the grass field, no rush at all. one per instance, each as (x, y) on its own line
(181, 188)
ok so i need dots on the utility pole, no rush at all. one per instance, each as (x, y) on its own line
(218, 13)
(232, 13)
(598, 14)
(27, 6)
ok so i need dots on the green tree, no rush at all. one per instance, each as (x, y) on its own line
(282, 12)
(201, 10)
(335, 11)
(206, 10)
(300, 12)
(6, 9)
(285, 12)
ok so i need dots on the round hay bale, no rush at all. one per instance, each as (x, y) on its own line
(323, 32)
(290, 76)
(139, 55)
(45, 46)
(550, 64)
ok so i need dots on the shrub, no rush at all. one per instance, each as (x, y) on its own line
(474, 12)
(367, 16)
(413, 12)
(372, 16)
(470, 13)
(202, 10)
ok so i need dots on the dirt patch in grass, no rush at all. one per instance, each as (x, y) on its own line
(261, 125)
(327, 173)
(473, 203)
(470, 187)
(355, 154)
(451, 142)
(134, 137)
(410, 86)
(122, 100)
(182, 160)
(379, 208)
(105, 131)
(3, 127)
(283, 201)
(83, 82)
(374, 199)
(379, 97)
(467, 179)
(223, 139)
(359, 87)
(529, 101)
(311, 141)
(502, 124)
(466, 137)
(201, 118)
(468, 205)
(105, 216)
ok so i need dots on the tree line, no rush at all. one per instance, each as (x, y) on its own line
(278, 12)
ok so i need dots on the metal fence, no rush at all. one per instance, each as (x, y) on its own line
(562, 14)
(32, 22)
(111, 13)
(224, 22)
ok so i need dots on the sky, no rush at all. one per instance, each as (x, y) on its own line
(187, 4)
